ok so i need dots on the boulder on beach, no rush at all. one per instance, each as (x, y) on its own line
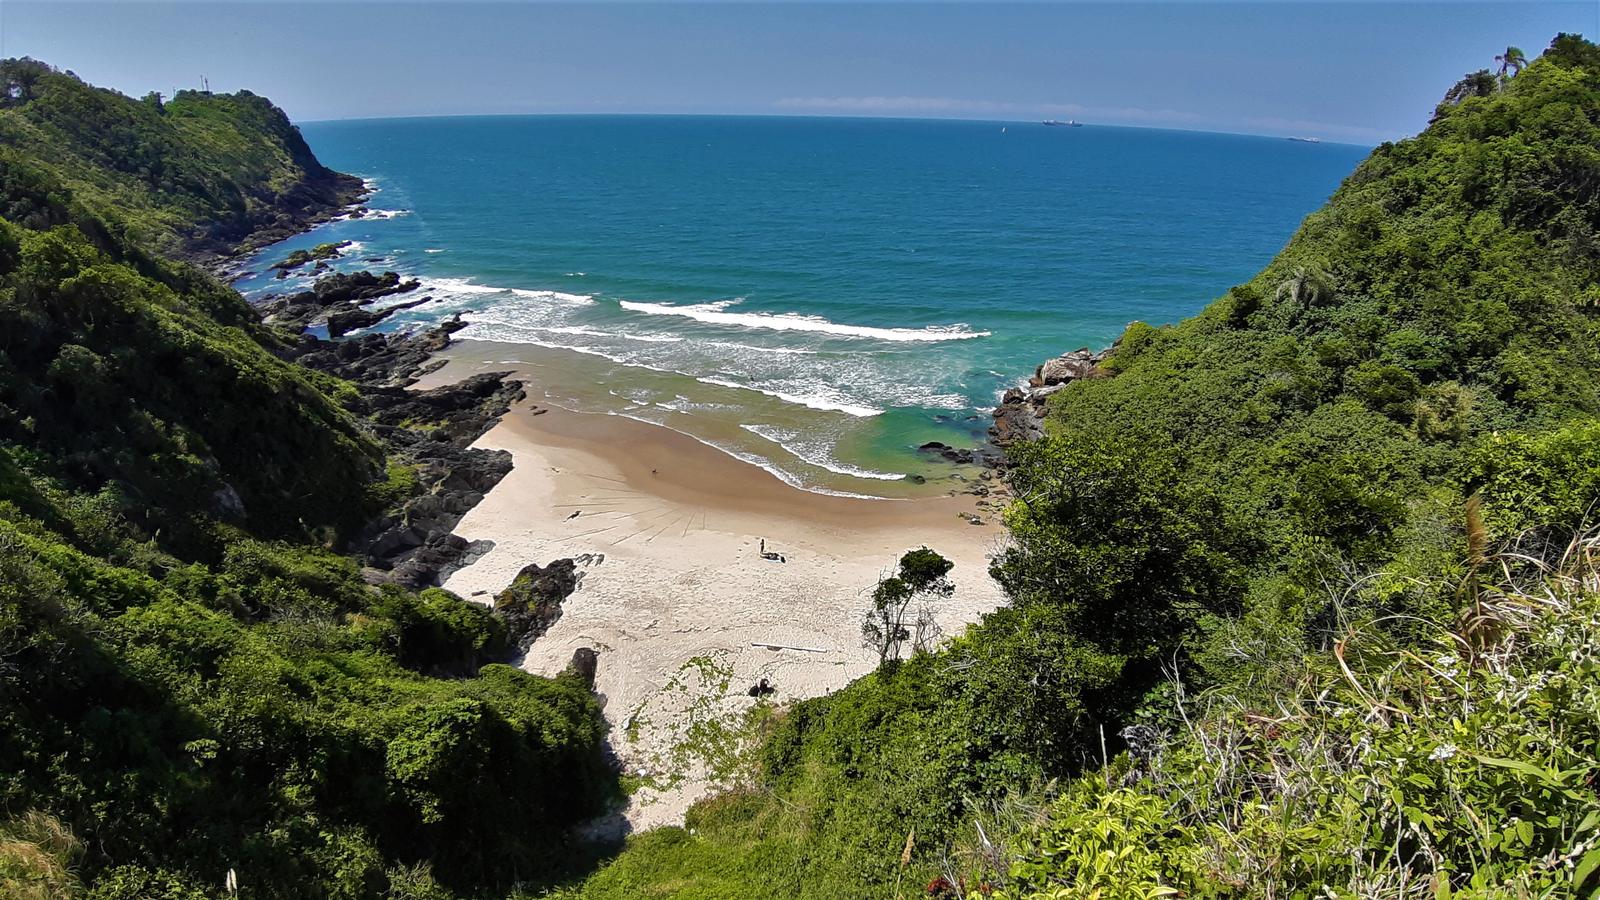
(533, 601)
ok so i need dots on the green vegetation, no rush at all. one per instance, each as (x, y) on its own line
(920, 577)
(1257, 642)
(198, 174)
(191, 681)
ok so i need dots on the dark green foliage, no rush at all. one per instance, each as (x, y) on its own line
(199, 173)
(436, 632)
(189, 679)
(1549, 480)
(268, 715)
(920, 578)
(122, 382)
(1319, 420)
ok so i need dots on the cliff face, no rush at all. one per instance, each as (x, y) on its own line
(200, 176)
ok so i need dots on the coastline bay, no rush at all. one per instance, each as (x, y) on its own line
(824, 295)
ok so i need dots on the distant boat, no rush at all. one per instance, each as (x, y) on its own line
(1070, 123)
(1306, 140)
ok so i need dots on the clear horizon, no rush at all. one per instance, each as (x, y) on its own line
(1357, 73)
(824, 116)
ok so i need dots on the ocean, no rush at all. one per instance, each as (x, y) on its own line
(818, 296)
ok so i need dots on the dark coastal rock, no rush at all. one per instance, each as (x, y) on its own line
(960, 456)
(337, 296)
(585, 664)
(1020, 415)
(377, 359)
(428, 432)
(360, 287)
(431, 432)
(1080, 363)
(342, 323)
(533, 601)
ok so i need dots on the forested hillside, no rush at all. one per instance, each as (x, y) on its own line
(192, 681)
(199, 175)
(1301, 601)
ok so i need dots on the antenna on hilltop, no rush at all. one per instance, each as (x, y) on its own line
(205, 84)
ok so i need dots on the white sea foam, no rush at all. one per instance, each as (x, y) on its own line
(715, 314)
(591, 332)
(825, 403)
(433, 249)
(551, 295)
(636, 396)
(386, 213)
(787, 351)
(468, 286)
(480, 330)
(810, 452)
(778, 472)
(683, 404)
(474, 332)
(458, 286)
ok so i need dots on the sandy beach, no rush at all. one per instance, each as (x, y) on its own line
(685, 613)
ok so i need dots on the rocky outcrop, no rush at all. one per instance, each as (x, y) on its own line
(359, 287)
(533, 601)
(430, 433)
(585, 664)
(340, 297)
(1020, 415)
(318, 254)
(961, 456)
(377, 359)
(344, 322)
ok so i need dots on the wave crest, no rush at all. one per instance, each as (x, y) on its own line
(814, 453)
(716, 314)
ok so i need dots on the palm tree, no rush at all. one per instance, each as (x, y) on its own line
(1513, 60)
(1306, 287)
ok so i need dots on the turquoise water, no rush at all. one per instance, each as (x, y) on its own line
(817, 294)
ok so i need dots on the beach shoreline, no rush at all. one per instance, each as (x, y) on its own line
(676, 597)
(570, 379)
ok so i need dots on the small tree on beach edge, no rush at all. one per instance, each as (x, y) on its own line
(921, 577)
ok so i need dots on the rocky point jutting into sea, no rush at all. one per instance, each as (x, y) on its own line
(1021, 412)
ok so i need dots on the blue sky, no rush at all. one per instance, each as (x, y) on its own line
(1359, 72)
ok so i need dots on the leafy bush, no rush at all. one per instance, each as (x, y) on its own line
(1462, 766)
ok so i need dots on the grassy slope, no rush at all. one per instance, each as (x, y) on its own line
(1252, 485)
(189, 681)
